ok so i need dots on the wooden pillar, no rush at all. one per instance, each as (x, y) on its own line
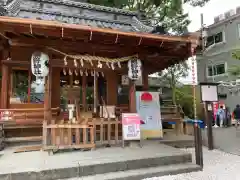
(84, 92)
(132, 97)
(112, 83)
(70, 94)
(95, 92)
(47, 106)
(5, 87)
(145, 80)
(48, 94)
(29, 85)
(56, 89)
(5, 91)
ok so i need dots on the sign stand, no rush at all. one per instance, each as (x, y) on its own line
(131, 128)
(131, 121)
(209, 94)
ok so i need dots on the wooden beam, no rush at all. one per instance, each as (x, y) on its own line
(63, 28)
(97, 47)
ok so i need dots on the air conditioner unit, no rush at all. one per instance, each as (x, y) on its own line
(221, 17)
(238, 10)
(227, 14)
(232, 12)
(216, 19)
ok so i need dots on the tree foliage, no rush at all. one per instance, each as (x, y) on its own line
(167, 14)
(171, 77)
(184, 98)
(156, 12)
(235, 70)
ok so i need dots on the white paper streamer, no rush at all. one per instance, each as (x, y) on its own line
(112, 66)
(119, 64)
(76, 73)
(70, 72)
(81, 72)
(107, 63)
(75, 62)
(65, 61)
(99, 64)
(64, 72)
(81, 61)
(91, 62)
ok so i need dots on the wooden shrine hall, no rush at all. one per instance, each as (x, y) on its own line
(88, 62)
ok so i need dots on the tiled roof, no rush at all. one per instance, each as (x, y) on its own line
(75, 13)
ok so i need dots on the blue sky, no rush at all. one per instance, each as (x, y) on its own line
(210, 10)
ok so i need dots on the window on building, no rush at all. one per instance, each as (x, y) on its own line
(215, 39)
(216, 70)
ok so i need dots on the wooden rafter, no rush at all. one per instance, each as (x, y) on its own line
(90, 48)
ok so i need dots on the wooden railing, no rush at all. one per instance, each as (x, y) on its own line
(83, 134)
(68, 136)
(107, 131)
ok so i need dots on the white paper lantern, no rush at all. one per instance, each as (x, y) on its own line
(134, 69)
(39, 64)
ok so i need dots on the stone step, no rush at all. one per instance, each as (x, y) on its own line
(98, 168)
(144, 172)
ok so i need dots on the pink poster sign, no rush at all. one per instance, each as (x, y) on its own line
(131, 126)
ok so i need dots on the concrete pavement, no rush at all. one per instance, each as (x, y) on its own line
(225, 139)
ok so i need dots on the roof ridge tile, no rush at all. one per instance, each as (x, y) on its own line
(91, 6)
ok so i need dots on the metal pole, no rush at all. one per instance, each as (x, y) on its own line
(203, 47)
(207, 114)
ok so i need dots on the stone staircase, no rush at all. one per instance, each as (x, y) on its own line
(129, 163)
(144, 172)
(168, 163)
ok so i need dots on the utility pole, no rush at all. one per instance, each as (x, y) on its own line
(203, 47)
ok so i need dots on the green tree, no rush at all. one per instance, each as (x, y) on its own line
(235, 70)
(155, 11)
(184, 98)
(172, 75)
(166, 13)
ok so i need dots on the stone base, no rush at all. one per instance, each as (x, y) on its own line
(124, 163)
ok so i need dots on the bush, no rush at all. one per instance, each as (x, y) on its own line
(184, 97)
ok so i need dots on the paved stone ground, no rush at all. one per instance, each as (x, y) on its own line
(39, 161)
(218, 165)
(225, 139)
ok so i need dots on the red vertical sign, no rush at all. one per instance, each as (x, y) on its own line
(215, 109)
